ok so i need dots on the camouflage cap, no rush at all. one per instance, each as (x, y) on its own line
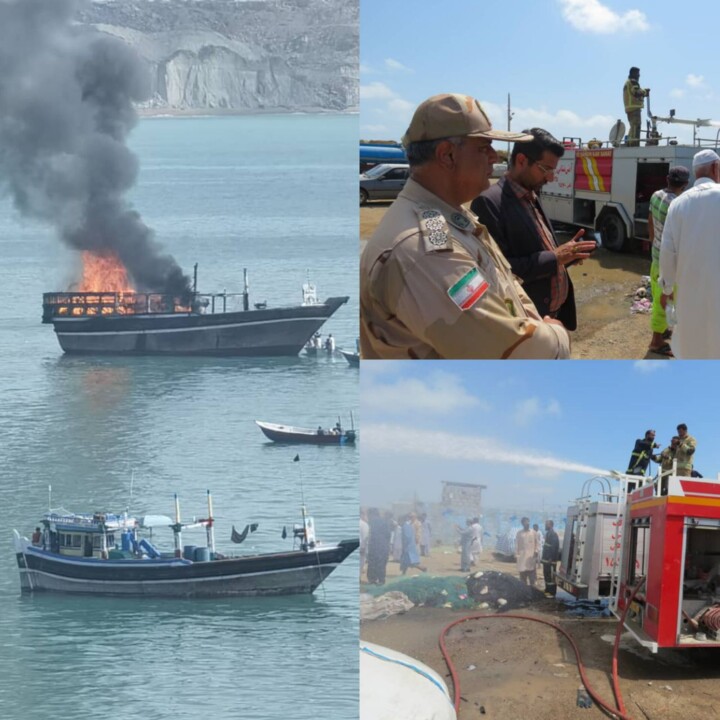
(453, 115)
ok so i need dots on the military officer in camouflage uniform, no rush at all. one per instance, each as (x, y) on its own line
(433, 283)
(685, 451)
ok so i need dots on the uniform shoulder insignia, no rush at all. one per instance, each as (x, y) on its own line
(460, 221)
(434, 230)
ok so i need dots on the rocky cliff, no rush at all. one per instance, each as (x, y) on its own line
(233, 55)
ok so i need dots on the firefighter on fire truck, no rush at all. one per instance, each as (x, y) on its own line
(634, 99)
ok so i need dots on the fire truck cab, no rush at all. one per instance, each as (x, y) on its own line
(606, 186)
(671, 550)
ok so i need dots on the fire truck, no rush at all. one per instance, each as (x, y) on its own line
(652, 547)
(606, 186)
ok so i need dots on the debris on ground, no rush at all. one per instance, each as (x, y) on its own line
(388, 604)
(642, 297)
(587, 608)
(430, 591)
(501, 590)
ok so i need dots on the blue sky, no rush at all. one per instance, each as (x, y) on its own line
(564, 62)
(532, 431)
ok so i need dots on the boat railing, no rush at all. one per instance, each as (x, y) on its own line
(103, 304)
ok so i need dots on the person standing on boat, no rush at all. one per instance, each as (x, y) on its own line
(330, 343)
(37, 537)
(634, 100)
(685, 451)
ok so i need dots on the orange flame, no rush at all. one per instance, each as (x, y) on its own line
(104, 273)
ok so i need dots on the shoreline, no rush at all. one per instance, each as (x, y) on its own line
(214, 112)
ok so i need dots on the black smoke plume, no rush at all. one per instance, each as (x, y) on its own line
(66, 108)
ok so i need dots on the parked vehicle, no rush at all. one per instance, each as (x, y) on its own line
(372, 154)
(383, 182)
(606, 187)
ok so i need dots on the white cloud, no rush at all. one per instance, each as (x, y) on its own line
(397, 66)
(403, 440)
(677, 93)
(374, 131)
(695, 81)
(366, 69)
(559, 122)
(532, 408)
(649, 366)
(594, 17)
(374, 368)
(376, 91)
(400, 106)
(439, 393)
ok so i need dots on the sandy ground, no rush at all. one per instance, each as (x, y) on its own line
(525, 669)
(603, 285)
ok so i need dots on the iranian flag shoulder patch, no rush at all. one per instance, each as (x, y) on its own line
(468, 289)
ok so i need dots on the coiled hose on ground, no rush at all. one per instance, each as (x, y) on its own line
(619, 711)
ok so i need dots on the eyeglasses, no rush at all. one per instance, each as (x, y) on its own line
(544, 168)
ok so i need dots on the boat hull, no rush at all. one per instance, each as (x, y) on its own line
(277, 434)
(291, 573)
(352, 358)
(253, 333)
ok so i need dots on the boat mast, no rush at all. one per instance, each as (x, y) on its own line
(246, 295)
(176, 528)
(210, 529)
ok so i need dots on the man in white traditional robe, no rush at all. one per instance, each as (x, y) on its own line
(527, 551)
(690, 258)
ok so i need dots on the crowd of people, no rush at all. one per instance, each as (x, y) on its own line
(383, 538)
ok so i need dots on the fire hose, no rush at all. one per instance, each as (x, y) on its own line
(619, 711)
(711, 618)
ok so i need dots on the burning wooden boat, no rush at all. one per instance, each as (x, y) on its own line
(321, 436)
(131, 323)
(104, 554)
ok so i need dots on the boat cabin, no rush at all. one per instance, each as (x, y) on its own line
(88, 536)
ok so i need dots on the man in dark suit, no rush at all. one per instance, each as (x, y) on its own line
(513, 215)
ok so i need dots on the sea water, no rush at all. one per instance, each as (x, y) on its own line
(275, 195)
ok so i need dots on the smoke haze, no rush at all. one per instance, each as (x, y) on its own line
(66, 108)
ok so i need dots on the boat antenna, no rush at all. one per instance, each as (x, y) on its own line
(352, 421)
(132, 480)
(49, 498)
(195, 268)
(210, 527)
(302, 500)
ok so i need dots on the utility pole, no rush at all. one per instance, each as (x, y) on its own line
(509, 121)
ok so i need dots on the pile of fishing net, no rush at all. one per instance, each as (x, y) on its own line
(485, 589)
(430, 591)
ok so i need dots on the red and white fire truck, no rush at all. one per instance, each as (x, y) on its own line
(606, 187)
(661, 541)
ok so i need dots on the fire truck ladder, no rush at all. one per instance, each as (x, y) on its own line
(621, 499)
(583, 505)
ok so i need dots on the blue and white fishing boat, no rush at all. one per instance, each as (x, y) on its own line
(107, 554)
